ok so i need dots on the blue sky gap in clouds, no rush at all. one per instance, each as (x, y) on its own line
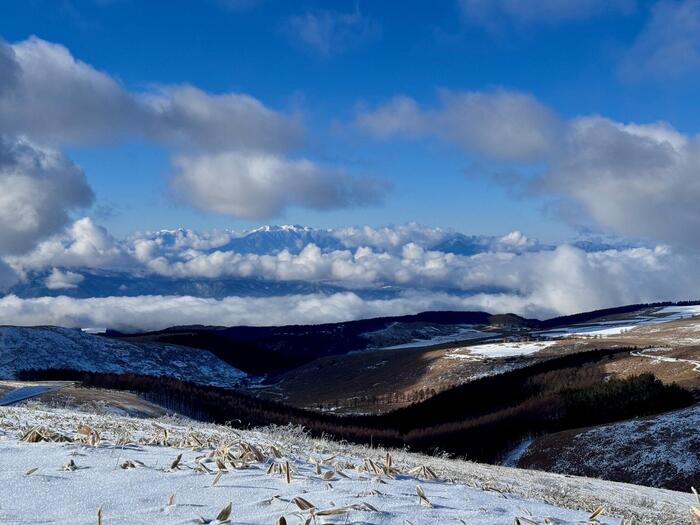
(557, 118)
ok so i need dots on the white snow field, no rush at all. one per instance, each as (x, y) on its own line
(493, 350)
(131, 469)
(51, 347)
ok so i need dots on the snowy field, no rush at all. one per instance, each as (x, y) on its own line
(131, 469)
(463, 333)
(617, 327)
(493, 350)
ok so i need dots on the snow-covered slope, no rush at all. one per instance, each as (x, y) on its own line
(52, 347)
(661, 450)
(133, 472)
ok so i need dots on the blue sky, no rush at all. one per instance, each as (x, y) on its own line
(570, 60)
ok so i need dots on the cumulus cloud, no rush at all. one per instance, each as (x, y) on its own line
(499, 124)
(669, 45)
(263, 186)
(186, 117)
(491, 13)
(83, 245)
(39, 187)
(59, 99)
(8, 68)
(49, 95)
(62, 280)
(332, 32)
(637, 180)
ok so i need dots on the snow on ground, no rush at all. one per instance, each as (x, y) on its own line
(26, 392)
(653, 353)
(134, 476)
(650, 450)
(493, 350)
(51, 347)
(419, 336)
(620, 326)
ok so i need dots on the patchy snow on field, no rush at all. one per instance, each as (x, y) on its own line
(52, 347)
(172, 471)
(654, 354)
(425, 335)
(496, 350)
(621, 326)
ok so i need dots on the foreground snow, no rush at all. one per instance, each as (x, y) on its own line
(52, 347)
(134, 476)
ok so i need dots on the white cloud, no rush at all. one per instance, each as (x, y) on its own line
(332, 32)
(83, 245)
(491, 13)
(63, 280)
(499, 124)
(669, 45)
(9, 70)
(61, 100)
(186, 117)
(55, 98)
(39, 187)
(637, 180)
(262, 186)
(58, 99)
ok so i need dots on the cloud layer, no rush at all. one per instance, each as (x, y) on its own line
(411, 266)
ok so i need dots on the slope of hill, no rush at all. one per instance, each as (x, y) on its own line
(661, 451)
(52, 347)
(265, 349)
(181, 469)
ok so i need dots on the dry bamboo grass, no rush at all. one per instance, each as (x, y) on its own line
(70, 466)
(593, 518)
(423, 472)
(88, 436)
(422, 498)
(303, 504)
(39, 434)
(224, 514)
(695, 511)
(175, 465)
